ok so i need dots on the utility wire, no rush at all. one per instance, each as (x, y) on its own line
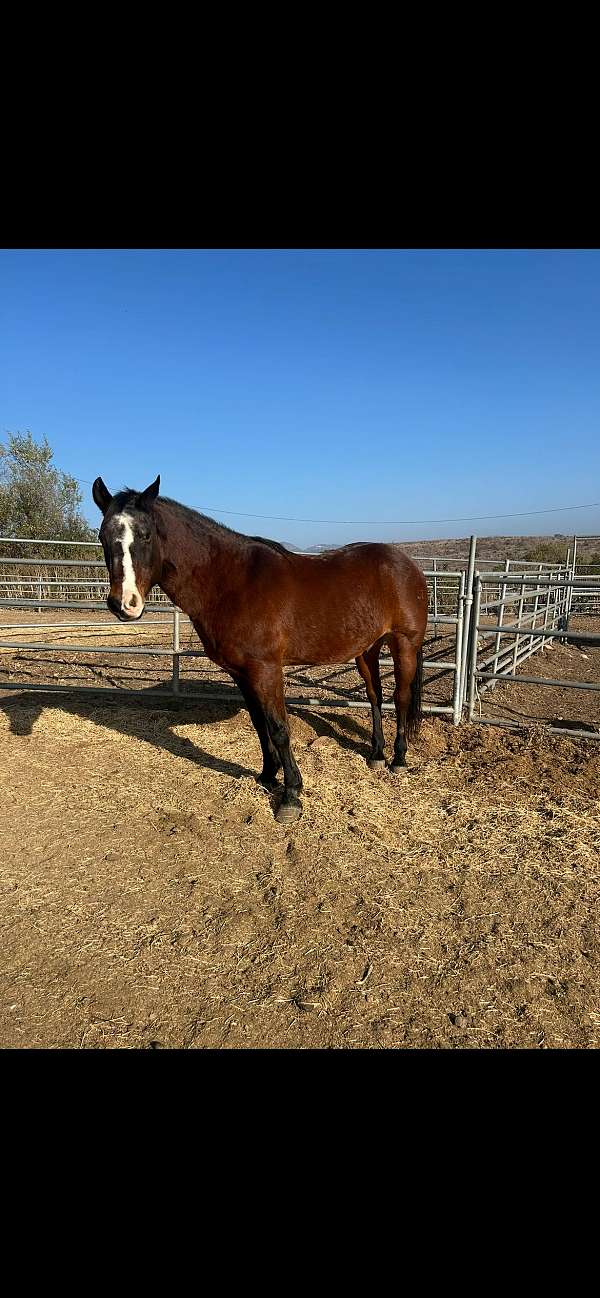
(394, 522)
(383, 522)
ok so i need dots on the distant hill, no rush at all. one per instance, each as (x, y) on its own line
(541, 548)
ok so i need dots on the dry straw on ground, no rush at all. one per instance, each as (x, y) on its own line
(150, 900)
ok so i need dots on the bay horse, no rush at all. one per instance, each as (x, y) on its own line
(257, 606)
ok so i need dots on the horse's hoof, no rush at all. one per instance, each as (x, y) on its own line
(288, 813)
(395, 767)
(376, 763)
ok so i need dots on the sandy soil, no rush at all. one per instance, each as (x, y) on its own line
(150, 900)
(553, 705)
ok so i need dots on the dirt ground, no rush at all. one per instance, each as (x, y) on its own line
(555, 705)
(150, 900)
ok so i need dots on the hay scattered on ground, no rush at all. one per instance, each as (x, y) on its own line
(149, 899)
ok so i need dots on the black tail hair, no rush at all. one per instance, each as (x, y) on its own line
(414, 714)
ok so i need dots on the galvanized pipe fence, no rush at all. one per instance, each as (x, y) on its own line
(48, 584)
(491, 619)
(538, 608)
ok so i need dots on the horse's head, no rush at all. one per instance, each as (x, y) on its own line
(131, 548)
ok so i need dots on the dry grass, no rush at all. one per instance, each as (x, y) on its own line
(149, 898)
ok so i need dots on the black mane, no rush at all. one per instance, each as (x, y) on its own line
(201, 523)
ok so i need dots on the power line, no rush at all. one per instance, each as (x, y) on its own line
(395, 522)
(383, 522)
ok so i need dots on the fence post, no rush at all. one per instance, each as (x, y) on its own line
(517, 637)
(547, 605)
(503, 589)
(557, 604)
(460, 613)
(570, 592)
(535, 609)
(473, 645)
(176, 648)
(468, 602)
(435, 599)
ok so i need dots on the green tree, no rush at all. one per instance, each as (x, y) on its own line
(37, 499)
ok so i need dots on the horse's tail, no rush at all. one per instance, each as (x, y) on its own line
(414, 714)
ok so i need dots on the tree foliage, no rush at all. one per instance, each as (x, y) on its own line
(37, 499)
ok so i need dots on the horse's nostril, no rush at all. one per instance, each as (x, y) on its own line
(133, 601)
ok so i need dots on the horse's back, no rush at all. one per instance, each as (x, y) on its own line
(368, 561)
(335, 604)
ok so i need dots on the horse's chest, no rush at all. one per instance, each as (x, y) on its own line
(218, 648)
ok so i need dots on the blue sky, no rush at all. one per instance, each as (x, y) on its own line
(316, 384)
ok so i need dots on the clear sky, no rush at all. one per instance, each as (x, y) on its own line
(316, 384)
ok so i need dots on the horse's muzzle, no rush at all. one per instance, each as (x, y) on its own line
(115, 607)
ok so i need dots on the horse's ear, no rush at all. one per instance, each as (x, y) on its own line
(101, 495)
(150, 493)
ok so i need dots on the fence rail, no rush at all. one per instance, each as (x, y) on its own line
(451, 597)
(543, 604)
(494, 616)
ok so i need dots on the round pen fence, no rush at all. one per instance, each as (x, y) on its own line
(486, 619)
(46, 586)
(518, 615)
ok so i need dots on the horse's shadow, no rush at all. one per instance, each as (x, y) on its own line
(154, 719)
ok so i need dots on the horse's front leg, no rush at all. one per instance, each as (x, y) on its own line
(266, 683)
(271, 758)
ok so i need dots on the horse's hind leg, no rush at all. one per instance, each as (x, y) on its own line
(266, 681)
(407, 694)
(368, 666)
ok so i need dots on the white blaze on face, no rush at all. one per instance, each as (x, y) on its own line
(129, 588)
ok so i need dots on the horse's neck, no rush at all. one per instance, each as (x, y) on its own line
(188, 558)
